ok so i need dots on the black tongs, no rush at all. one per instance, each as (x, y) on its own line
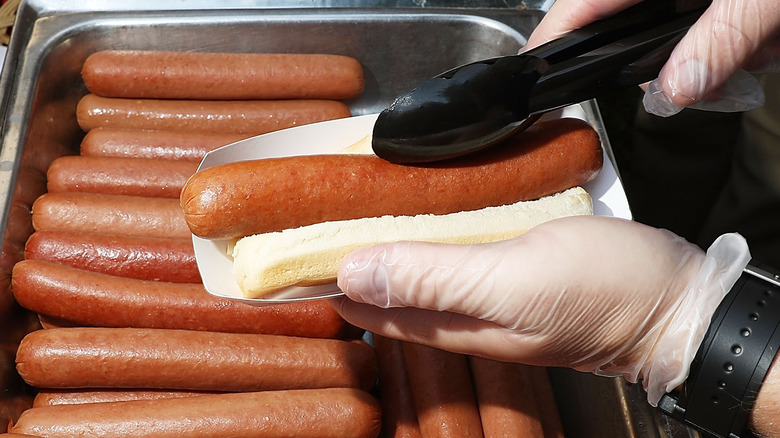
(479, 104)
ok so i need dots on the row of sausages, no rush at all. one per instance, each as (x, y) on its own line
(110, 270)
(132, 337)
(427, 392)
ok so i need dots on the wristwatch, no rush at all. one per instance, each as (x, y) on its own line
(733, 359)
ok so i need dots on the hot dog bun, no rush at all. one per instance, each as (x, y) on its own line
(310, 255)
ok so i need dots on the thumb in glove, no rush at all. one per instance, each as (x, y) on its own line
(706, 70)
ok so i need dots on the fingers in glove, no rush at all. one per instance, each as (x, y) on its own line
(567, 15)
(708, 58)
(574, 285)
(445, 330)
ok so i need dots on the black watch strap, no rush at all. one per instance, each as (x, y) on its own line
(733, 358)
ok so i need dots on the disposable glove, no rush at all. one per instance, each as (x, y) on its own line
(707, 69)
(602, 295)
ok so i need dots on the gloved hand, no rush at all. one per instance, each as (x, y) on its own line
(597, 294)
(705, 70)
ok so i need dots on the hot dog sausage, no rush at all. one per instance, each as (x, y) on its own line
(223, 76)
(111, 214)
(442, 391)
(320, 413)
(164, 145)
(545, 399)
(251, 117)
(77, 357)
(250, 197)
(119, 176)
(399, 418)
(143, 258)
(82, 297)
(506, 398)
(54, 397)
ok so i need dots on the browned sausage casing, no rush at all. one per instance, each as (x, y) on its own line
(119, 176)
(225, 76)
(250, 197)
(442, 391)
(53, 397)
(95, 299)
(110, 214)
(315, 413)
(399, 418)
(164, 145)
(251, 117)
(507, 402)
(77, 357)
(545, 400)
(143, 258)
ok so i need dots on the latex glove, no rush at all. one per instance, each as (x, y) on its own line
(602, 295)
(706, 70)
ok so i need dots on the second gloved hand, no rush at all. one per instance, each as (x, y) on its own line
(708, 68)
(596, 294)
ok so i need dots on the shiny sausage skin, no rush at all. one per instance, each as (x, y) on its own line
(309, 413)
(161, 145)
(546, 404)
(506, 398)
(54, 397)
(91, 357)
(222, 76)
(119, 176)
(143, 258)
(110, 214)
(95, 299)
(442, 391)
(250, 197)
(251, 117)
(399, 418)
